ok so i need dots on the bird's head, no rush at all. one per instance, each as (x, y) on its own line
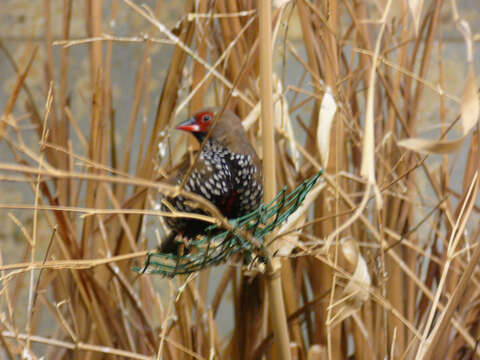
(228, 129)
(198, 124)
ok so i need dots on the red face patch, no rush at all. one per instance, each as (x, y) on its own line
(199, 123)
(203, 120)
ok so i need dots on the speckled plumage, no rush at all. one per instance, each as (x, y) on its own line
(228, 173)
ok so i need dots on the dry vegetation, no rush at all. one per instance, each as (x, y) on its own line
(380, 262)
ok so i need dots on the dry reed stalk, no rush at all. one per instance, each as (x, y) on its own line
(18, 86)
(198, 70)
(63, 125)
(274, 281)
(138, 94)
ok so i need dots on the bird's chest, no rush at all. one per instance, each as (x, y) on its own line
(212, 178)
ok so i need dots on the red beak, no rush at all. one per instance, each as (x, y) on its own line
(189, 125)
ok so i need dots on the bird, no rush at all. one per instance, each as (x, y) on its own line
(228, 173)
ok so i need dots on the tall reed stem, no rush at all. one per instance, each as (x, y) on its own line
(277, 308)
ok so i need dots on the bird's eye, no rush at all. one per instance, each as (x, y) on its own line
(206, 118)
